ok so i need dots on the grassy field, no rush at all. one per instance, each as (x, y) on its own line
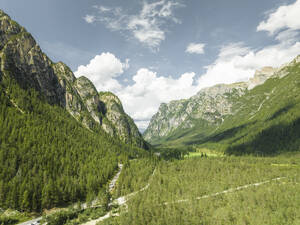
(204, 152)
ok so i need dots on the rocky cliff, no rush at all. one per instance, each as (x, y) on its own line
(209, 105)
(117, 120)
(22, 60)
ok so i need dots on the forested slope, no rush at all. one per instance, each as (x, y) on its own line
(52, 151)
(267, 119)
(46, 157)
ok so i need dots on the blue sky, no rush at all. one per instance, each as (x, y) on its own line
(154, 51)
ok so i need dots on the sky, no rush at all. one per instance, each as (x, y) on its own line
(150, 52)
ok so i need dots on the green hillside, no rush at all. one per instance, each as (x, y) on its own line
(47, 158)
(53, 151)
(265, 120)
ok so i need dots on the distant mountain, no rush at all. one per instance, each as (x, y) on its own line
(23, 60)
(207, 108)
(213, 113)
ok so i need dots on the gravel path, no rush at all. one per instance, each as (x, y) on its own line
(120, 201)
(226, 191)
(115, 179)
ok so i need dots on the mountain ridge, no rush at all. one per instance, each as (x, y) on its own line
(22, 59)
(206, 110)
(53, 151)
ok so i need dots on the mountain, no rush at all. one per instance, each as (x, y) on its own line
(54, 150)
(23, 60)
(206, 109)
(122, 124)
(224, 115)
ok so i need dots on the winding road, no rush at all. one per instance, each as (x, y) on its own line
(226, 191)
(115, 179)
(34, 221)
(120, 201)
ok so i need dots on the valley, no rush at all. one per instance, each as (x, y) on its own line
(230, 190)
(70, 154)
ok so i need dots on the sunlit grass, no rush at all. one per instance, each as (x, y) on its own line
(204, 152)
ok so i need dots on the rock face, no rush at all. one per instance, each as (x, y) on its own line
(106, 109)
(210, 105)
(261, 76)
(90, 98)
(22, 60)
(117, 120)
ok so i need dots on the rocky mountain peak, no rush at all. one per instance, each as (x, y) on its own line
(125, 126)
(267, 70)
(163, 106)
(85, 87)
(2, 13)
(62, 70)
(295, 61)
(210, 104)
(261, 76)
(221, 89)
(9, 29)
(110, 98)
(22, 60)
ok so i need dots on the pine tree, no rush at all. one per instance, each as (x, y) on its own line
(25, 205)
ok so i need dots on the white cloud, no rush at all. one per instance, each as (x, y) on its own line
(285, 17)
(89, 18)
(237, 62)
(196, 48)
(288, 36)
(146, 26)
(241, 63)
(147, 90)
(102, 71)
(102, 8)
(142, 99)
(233, 49)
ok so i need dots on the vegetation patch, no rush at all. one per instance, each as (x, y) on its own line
(10, 216)
(204, 152)
(47, 158)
